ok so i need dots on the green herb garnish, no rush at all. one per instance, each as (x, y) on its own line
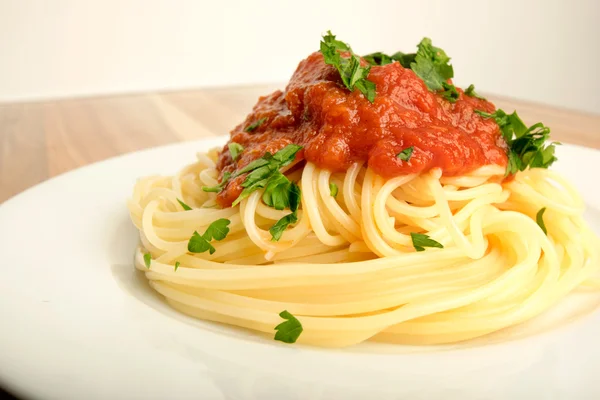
(289, 330)
(333, 189)
(352, 73)
(405, 154)
(185, 206)
(177, 265)
(380, 58)
(235, 149)
(432, 66)
(291, 197)
(450, 92)
(470, 91)
(429, 63)
(252, 127)
(280, 226)
(420, 241)
(280, 193)
(220, 186)
(264, 172)
(218, 230)
(539, 218)
(526, 146)
(147, 259)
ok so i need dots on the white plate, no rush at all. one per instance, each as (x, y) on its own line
(77, 322)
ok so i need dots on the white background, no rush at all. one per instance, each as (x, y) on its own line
(545, 51)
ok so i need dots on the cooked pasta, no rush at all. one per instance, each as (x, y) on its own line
(390, 210)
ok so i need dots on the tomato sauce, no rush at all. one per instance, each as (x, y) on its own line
(337, 127)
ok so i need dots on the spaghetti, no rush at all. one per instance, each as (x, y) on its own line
(348, 269)
(422, 257)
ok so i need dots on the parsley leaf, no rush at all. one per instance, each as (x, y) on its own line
(404, 59)
(380, 58)
(235, 149)
(367, 88)
(275, 194)
(432, 66)
(258, 179)
(289, 330)
(281, 193)
(185, 206)
(265, 160)
(470, 91)
(177, 265)
(217, 230)
(354, 76)
(405, 154)
(449, 93)
(253, 126)
(294, 196)
(420, 241)
(510, 125)
(220, 186)
(286, 155)
(333, 189)
(281, 225)
(264, 171)
(333, 45)
(147, 259)
(539, 218)
(429, 63)
(198, 244)
(526, 146)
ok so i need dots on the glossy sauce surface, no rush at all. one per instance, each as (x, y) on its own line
(337, 127)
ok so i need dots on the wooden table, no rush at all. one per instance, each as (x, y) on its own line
(41, 139)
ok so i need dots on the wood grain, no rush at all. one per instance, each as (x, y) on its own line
(42, 139)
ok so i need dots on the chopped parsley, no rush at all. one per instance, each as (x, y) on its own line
(292, 200)
(429, 63)
(432, 66)
(177, 265)
(333, 189)
(147, 259)
(539, 218)
(264, 172)
(450, 92)
(380, 58)
(289, 330)
(405, 154)
(526, 146)
(352, 73)
(470, 91)
(280, 226)
(235, 149)
(280, 193)
(185, 206)
(420, 241)
(252, 127)
(220, 186)
(218, 230)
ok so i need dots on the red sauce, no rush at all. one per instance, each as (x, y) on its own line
(338, 127)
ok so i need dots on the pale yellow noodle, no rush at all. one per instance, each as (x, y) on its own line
(348, 269)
